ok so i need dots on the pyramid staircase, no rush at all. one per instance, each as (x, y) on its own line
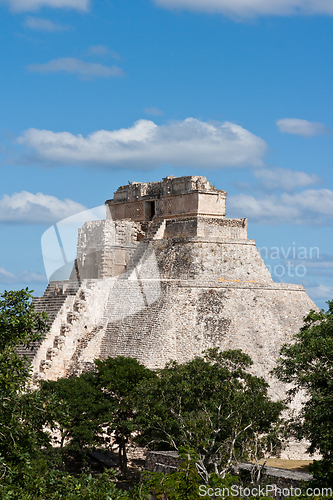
(155, 231)
(51, 302)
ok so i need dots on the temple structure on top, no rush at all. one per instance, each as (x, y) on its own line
(176, 207)
(188, 205)
(171, 198)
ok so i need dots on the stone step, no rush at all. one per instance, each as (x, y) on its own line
(136, 257)
(51, 302)
(153, 229)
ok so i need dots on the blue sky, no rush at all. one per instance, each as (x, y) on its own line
(96, 94)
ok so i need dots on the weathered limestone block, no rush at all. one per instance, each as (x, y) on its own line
(189, 317)
(45, 364)
(78, 306)
(72, 316)
(65, 329)
(59, 341)
(52, 352)
(227, 260)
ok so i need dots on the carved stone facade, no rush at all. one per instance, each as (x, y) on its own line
(171, 198)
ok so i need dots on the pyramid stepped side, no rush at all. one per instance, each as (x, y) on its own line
(201, 259)
(188, 318)
(51, 303)
(79, 320)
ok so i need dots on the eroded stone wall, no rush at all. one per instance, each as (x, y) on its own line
(105, 248)
(173, 298)
(188, 318)
(200, 259)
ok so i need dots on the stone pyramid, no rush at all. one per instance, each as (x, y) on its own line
(165, 276)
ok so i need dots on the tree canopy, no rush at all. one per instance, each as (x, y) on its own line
(23, 412)
(87, 411)
(212, 405)
(118, 379)
(20, 324)
(102, 405)
(307, 363)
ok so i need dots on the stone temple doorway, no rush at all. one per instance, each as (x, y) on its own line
(149, 210)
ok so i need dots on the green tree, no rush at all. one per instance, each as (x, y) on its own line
(24, 412)
(183, 484)
(27, 469)
(59, 485)
(180, 485)
(20, 324)
(212, 405)
(87, 411)
(118, 379)
(102, 405)
(307, 363)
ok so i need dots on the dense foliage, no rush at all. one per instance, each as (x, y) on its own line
(20, 324)
(24, 413)
(214, 406)
(307, 363)
(81, 426)
(118, 380)
(211, 410)
(183, 484)
(100, 404)
(30, 468)
(51, 484)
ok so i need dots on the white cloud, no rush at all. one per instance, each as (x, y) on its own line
(78, 67)
(315, 264)
(38, 24)
(311, 206)
(320, 291)
(31, 5)
(302, 127)
(315, 259)
(32, 277)
(25, 277)
(6, 276)
(153, 111)
(187, 143)
(28, 208)
(285, 179)
(102, 50)
(252, 8)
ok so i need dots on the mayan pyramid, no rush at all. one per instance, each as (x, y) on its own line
(165, 276)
